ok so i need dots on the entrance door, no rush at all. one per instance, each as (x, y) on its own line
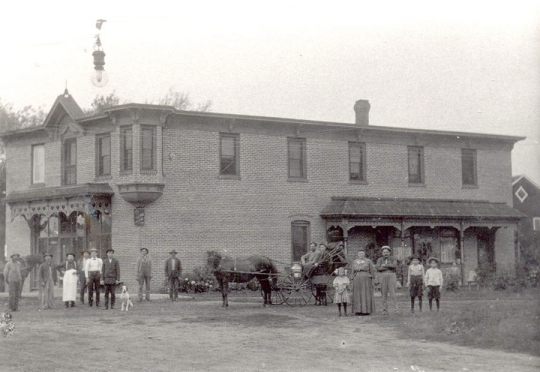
(300, 239)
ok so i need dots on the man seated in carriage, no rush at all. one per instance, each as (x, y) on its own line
(308, 257)
(313, 259)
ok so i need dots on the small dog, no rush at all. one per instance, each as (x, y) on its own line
(126, 301)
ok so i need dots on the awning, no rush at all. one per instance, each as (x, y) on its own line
(355, 208)
(88, 198)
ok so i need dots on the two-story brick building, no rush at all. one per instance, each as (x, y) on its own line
(140, 175)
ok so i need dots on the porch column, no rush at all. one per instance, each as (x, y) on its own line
(517, 248)
(462, 251)
(345, 228)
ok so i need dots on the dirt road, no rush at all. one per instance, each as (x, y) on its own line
(198, 336)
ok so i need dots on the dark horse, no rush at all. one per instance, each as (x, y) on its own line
(27, 264)
(246, 268)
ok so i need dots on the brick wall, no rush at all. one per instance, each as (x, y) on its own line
(199, 211)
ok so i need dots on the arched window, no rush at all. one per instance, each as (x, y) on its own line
(299, 239)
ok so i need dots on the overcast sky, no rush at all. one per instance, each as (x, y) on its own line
(455, 67)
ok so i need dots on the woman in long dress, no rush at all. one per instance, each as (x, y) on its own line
(364, 272)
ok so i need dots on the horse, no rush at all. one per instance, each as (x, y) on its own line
(255, 266)
(27, 264)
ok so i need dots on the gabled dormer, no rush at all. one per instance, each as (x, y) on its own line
(61, 121)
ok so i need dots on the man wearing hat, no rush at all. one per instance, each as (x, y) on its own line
(82, 276)
(110, 277)
(144, 273)
(69, 285)
(387, 265)
(173, 270)
(92, 272)
(13, 277)
(47, 280)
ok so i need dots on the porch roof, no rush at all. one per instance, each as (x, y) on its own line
(351, 208)
(51, 193)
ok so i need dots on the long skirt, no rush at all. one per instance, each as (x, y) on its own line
(363, 297)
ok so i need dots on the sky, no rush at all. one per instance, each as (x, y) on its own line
(457, 66)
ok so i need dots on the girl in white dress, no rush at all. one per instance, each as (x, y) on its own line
(341, 284)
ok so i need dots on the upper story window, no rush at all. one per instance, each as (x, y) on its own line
(229, 154)
(148, 147)
(468, 167)
(416, 164)
(69, 162)
(103, 153)
(38, 163)
(297, 158)
(357, 161)
(126, 149)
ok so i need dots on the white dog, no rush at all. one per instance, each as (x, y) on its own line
(126, 301)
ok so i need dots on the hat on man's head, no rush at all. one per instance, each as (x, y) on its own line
(85, 251)
(144, 249)
(173, 251)
(70, 254)
(48, 254)
(432, 259)
(16, 255)
(313, 243)
(93, 250)
(109, 250)
(385, 247)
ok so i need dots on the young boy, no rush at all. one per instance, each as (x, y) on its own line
(434, 281)
(415, 282)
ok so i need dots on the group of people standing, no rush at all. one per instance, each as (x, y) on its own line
(364, 271)
(90, 272)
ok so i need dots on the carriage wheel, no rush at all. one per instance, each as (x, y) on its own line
(297, 291)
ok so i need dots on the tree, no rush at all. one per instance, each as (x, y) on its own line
(182, 101)
(101, 102)
(178, 100)
(26, 117)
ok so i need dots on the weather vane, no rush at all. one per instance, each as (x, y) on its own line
(99, 75)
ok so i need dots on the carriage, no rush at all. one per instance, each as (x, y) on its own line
(303, 285)
(296, 285)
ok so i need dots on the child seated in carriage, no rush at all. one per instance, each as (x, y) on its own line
(342, 296)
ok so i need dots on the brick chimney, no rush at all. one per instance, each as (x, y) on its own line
(361, 108)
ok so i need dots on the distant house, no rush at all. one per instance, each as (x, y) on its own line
(140, 175)
(527, 200)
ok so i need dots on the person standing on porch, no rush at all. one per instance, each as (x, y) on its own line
(13, 278)
(111, 277)
(92, 272)
(173, 270)
(47, 279)
(81, 265)
(387, 266)
(144, 273)
(69, 285)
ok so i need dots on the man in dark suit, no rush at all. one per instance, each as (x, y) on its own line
(173, 270)
(110, 273)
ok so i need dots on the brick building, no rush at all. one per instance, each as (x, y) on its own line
(151, 176)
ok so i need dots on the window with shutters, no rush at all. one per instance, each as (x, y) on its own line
(297, 159)
(468, 167)
(416, 165)
(357, 162)
(103, 155)
(229, 164)
(69, 162)
(38, 164)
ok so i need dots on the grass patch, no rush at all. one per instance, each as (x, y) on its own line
(492, 319)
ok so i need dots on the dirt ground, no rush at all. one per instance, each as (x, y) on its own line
(195, 335)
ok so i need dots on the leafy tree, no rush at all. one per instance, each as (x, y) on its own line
(182, 101)
(28, 116)
(101, 102)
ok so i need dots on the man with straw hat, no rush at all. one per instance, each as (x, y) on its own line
(144, 273)
(387, 266)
